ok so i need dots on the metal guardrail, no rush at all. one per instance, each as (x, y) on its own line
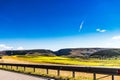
(73, 69)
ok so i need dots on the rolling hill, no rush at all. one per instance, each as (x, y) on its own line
(28, 52)
(69, 52)
(109, 53)
(77, 52)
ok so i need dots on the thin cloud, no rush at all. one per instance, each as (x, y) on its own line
(5, 47)
(101, 30)
(116, 37)
(20, 48)
(81, 25)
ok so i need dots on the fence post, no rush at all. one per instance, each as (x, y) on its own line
(94, 76)
(73, 74)
(112, 77)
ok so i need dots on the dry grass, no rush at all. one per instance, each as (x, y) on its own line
(65, 75)
(62, 60)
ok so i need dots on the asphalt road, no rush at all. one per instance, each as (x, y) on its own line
(7, 75)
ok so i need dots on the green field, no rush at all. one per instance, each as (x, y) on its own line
(68, 61)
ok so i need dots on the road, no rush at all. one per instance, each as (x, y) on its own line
(7, 75)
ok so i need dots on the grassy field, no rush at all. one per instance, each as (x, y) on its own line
(66, 75)
(67, 61)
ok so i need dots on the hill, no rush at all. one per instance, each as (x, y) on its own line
(77, 52)
(69, 52)
(106, 53)
(28, 52)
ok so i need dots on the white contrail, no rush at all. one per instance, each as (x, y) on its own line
(81, 25)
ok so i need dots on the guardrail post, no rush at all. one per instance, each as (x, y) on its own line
(24, 68)
(2, 66)
(94, 76)
(33, 69)
(16, 67)
(73, 74)
(47, 71)
(6, 66)
(11, 67)
(112, 77)
(58, 72)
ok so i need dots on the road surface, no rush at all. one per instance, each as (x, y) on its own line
(7, 75)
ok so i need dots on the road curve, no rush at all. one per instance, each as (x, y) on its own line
(7, 75)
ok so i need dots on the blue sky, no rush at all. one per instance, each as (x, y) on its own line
(56, 24)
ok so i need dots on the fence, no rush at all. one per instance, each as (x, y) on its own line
(73, 69)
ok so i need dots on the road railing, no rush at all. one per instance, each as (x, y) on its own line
(72, 68)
